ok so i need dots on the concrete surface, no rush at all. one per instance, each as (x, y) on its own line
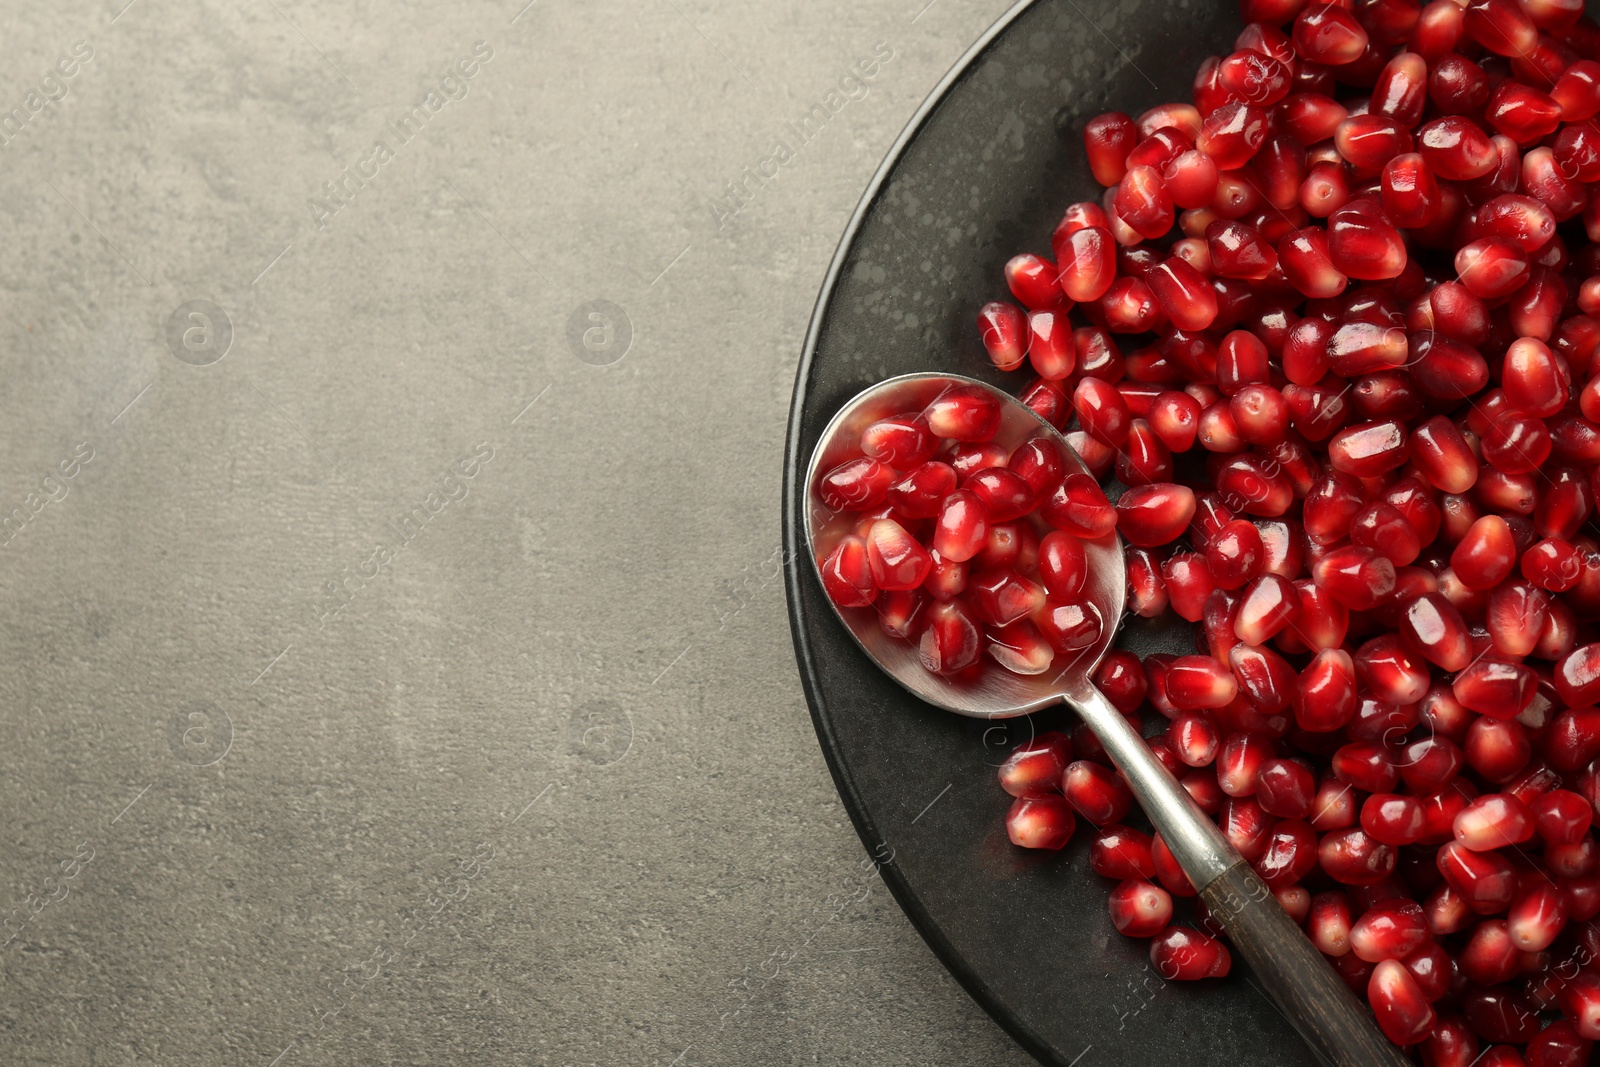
(395, 667)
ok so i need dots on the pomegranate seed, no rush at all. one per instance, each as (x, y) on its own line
(897, 560)
(1577, 678)
(1033, 281)
(1390, 930)
(1522, 112)
(1494, 821)
(1496, 688)
(847, 574)
(1328, 34)
(1232, 134)
(1353, 858)
(1140, 909)
(1537, 916)
(1150, 515)
(1080, 507)
(1121, 853)
(1095, 792)
(1290, 853)
(1485, 880)
(1368, 449)
(1195, 682)
(963, 526)
(1558, 1045)
(1305, 262)
(1239, 763)
(1484, 557)
(1182, 955)
(1498, 749)
(1285, 788)
(1562, 817)
(1034, 768)
(1456, 149)
(964, 413)
(1069, 627)
(1500, 1015)
(1369, 141)
(1580, 1000)
(1391, 819)
(950, 642)
(1490, 957)
(1040, 822)
(1087, 261)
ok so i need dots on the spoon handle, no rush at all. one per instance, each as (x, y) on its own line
(1295, 975)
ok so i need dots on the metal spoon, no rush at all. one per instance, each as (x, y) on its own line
(1295, 975)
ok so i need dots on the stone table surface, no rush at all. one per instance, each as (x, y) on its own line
(395, 661)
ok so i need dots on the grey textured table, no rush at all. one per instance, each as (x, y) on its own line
(395, 663)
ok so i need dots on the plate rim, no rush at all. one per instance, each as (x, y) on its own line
(793, 546)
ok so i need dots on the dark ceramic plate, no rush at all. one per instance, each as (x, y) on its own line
(984, 171)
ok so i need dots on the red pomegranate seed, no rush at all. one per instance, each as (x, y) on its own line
(1577, 678)
(1303, 257)
(1195, 682)
(1562, 817)
(1352, 858)
(1232, 134)
(847, 574)
(1150, 515)
(1108, 139)
(1140, 909)
(1522, 112)
(1490, 957)
(900, 612)
(1558, 1045)
(950, 642)
(1290, 854)
(1001, 597)
(947, 579)
(1484, 557)
(1121, 853)
(1537, 916)
(1496, 688)
(1328, 34)
(1392, 819)
(1285, 788)
(1495, 821)
(1456, 149)
(1580, 1000)
(1087, 261)
(897, 560)
(1485, 880)
(1034, 768)
(1182, 955)
(1097, 793)
(1080, 507)
(1390, 930)
(1369, 141)
(964, 413)
(1020, 648)
(1033, 281)
(1040, 822)
(1401, 90)
(963, 526)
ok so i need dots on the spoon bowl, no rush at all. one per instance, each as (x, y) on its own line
(996, 694)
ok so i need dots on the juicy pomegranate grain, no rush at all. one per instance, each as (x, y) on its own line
(1140, 909)
(1183, 955)
(1040, 822)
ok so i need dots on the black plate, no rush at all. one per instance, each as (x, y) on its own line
(983, 171)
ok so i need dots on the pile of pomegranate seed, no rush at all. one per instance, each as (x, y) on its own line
(1333, 328)
(967, 543)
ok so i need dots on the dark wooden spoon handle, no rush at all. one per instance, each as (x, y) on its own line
(1296, 977)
